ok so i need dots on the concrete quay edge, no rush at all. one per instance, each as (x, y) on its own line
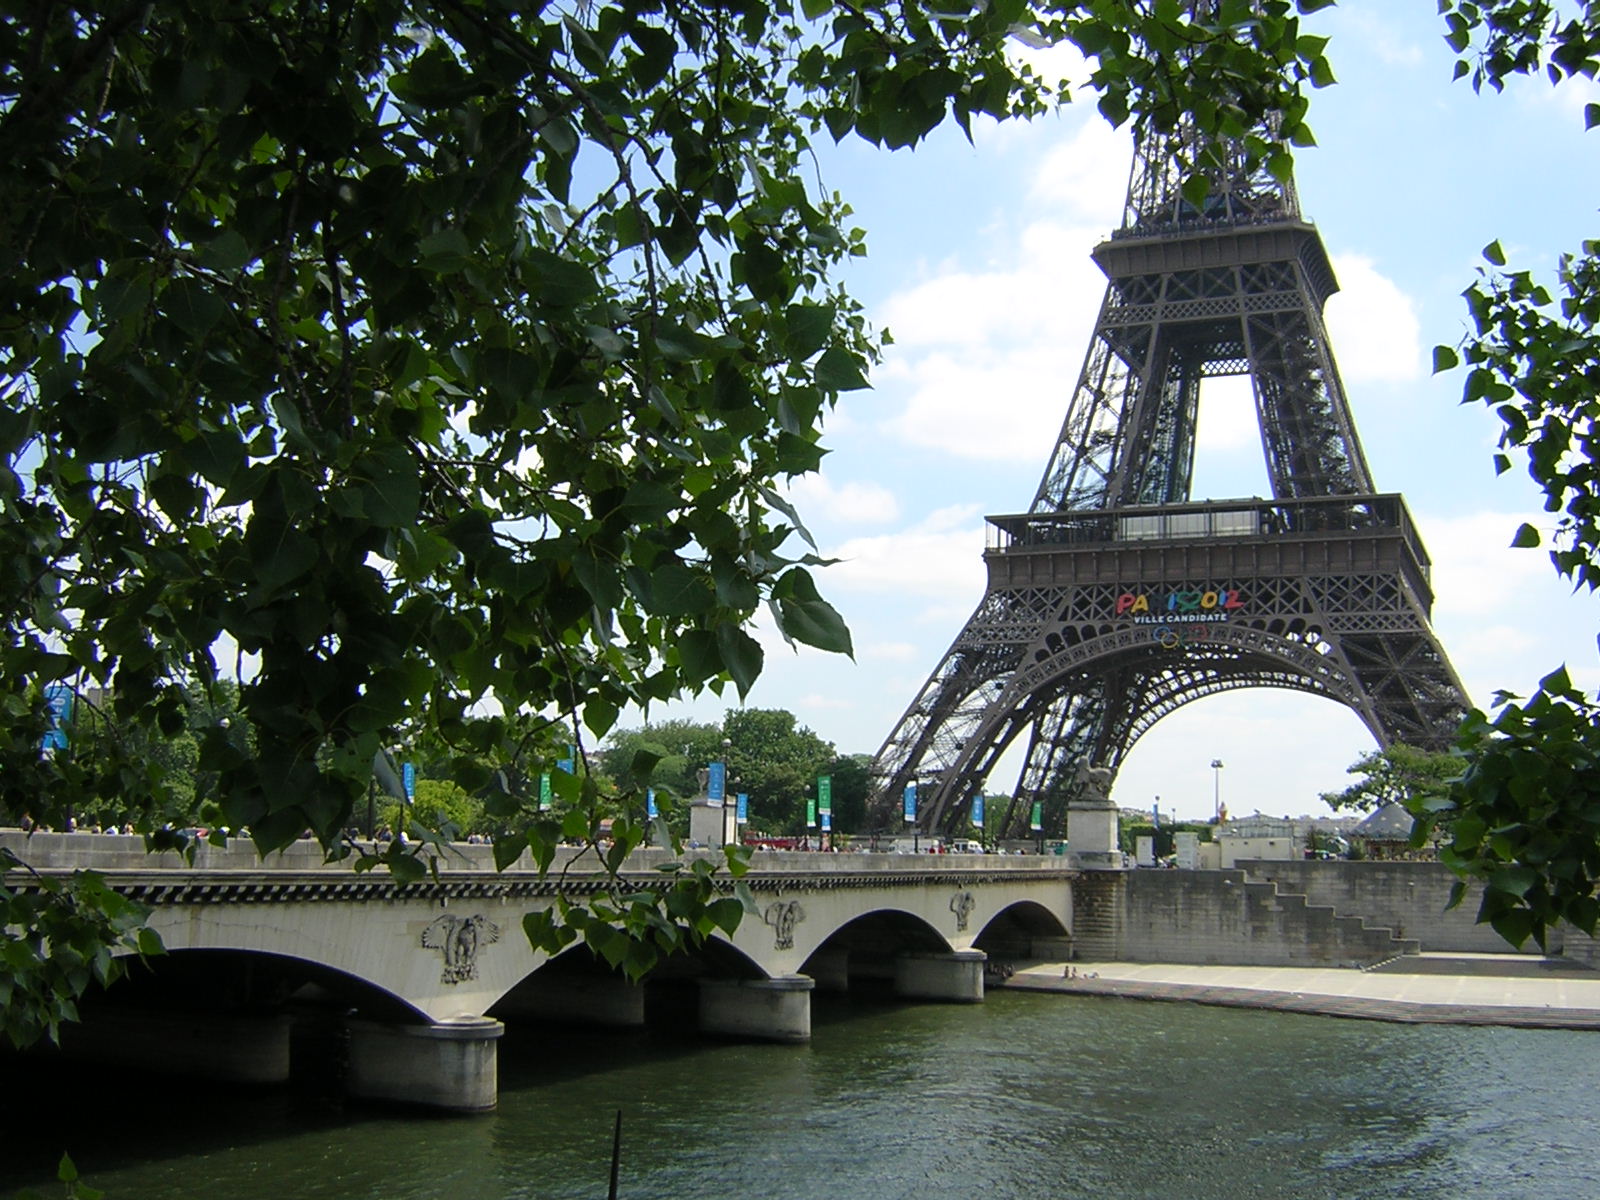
(1331, 992)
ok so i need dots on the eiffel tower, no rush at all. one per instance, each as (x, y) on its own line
(1116, 599)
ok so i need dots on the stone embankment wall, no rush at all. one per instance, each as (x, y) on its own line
(1410, 898)
(1218, 917)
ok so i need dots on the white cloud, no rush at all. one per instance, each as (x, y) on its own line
(997, 407)
(1086, 174)
(1382, 39)
(939, 558)
(854, 502)
(1476, 571)
(1374, 325)
(1227, 418)
(892, 652)
(816, 701)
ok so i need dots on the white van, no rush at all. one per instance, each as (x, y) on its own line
(963, 846)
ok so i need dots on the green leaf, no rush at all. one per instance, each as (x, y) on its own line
(193, 306)
(226, 252)
(679, 590)
(726, 913)
(741, 655)
(839, 370)
(445, 252)
(559, 282)
(804, 615)
(1495, 254)
(1526, 538)
(807, 328)
(281, 559)
(507, 850)
(1445, 359)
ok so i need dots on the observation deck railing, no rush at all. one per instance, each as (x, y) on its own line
(1216, 520)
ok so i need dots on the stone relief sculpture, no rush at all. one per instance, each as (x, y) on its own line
(962, 904)
(459, 939)
(783, 916)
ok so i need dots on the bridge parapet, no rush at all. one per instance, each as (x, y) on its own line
(120, 853)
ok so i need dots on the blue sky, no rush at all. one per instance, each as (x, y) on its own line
(979, 267)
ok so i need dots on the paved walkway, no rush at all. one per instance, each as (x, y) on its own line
(1450, 989)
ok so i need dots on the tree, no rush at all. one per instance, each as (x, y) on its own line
(776, 760)
(852, 784)
(673, 752)
(1524, 819)
(1400, 774)
(428, 368)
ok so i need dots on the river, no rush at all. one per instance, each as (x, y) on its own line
(1026, 1096)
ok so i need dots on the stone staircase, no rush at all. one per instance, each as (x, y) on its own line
(1220, 918)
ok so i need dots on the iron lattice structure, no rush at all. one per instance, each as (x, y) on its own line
(1115, 600)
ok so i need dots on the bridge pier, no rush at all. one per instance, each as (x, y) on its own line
(956, 977)
(768, 1010)
(452, 1065)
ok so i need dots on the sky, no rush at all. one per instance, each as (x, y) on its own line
(979, 269)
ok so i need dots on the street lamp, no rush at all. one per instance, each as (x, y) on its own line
(1216, 789)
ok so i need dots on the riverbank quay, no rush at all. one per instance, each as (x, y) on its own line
(1447, 989)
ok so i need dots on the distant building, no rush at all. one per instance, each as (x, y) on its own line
(1386, 834)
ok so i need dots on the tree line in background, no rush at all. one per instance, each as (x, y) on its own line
(769, 755)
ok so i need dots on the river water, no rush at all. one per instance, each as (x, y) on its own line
(1026, 1096)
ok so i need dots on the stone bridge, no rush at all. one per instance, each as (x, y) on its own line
(422, 976)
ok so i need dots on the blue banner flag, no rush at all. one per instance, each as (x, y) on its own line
(717, 782)
(650, 810)
(408, 780)
(58, 699)
(743, 813)
(911, 802)
(977, 810)
(827, 822)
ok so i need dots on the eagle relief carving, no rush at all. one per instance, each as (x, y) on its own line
(458, 939)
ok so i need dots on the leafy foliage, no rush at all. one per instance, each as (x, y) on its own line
(1525, 819)
(1500, 38)
(1534, 361)
(62, 935)
(425, 370)
(1400, 774)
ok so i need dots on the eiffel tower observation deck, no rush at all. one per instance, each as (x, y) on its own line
(1116, 599)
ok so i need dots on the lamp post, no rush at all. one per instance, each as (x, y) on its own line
(1216, 790)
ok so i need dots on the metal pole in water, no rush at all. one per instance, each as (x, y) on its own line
(616, 1156)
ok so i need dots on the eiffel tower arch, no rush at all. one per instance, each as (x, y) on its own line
(1116, 599)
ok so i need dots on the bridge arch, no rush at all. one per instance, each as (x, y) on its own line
(1026, 929)
(1063, 689)
(216, 980)
(871, 942)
